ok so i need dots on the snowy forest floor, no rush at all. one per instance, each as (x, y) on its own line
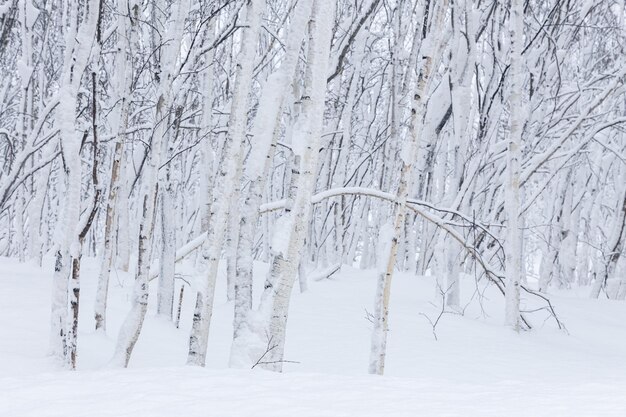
(476, 367)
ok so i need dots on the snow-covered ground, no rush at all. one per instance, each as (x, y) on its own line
(476, 367)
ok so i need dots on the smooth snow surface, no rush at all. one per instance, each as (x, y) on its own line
(477, 367)
(191, 392)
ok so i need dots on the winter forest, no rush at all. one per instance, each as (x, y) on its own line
(205, 191)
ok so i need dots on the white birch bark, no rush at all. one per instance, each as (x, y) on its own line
(227, 180)
(462, 71)
(132, 325)
(167, 260)
(75, 61)
(125, 37)
(431, 47)
(266, 130)
(289, 234)
(512, 199)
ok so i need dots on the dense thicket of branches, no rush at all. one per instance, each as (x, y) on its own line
(417, 135)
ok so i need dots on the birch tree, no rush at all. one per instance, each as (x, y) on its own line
(63, 341)
(290, 231)
(430, 47)
(512, 196)
(228, 175)
(131, 328)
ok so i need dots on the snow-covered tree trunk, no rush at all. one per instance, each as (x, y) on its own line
(432, 45)
(122, 221)
(132, 325)
(18, 215)
(615, 243)
(569, 221)
(549, 266)
(125, 36)
(232, 239)
(290, 231)
(75, 61)
(206, 174)
(266, 130)
(167, 260)
(227, 180)
(36, 231)
(512, 199)
(462, 70)
(23, 127)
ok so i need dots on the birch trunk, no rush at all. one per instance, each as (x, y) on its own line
(290, 232)
(227, 179)
(431, 46)
(167, 260)
(266, 130)
(512, 201)
(131, 328)
(75, 61)
(114, 185)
